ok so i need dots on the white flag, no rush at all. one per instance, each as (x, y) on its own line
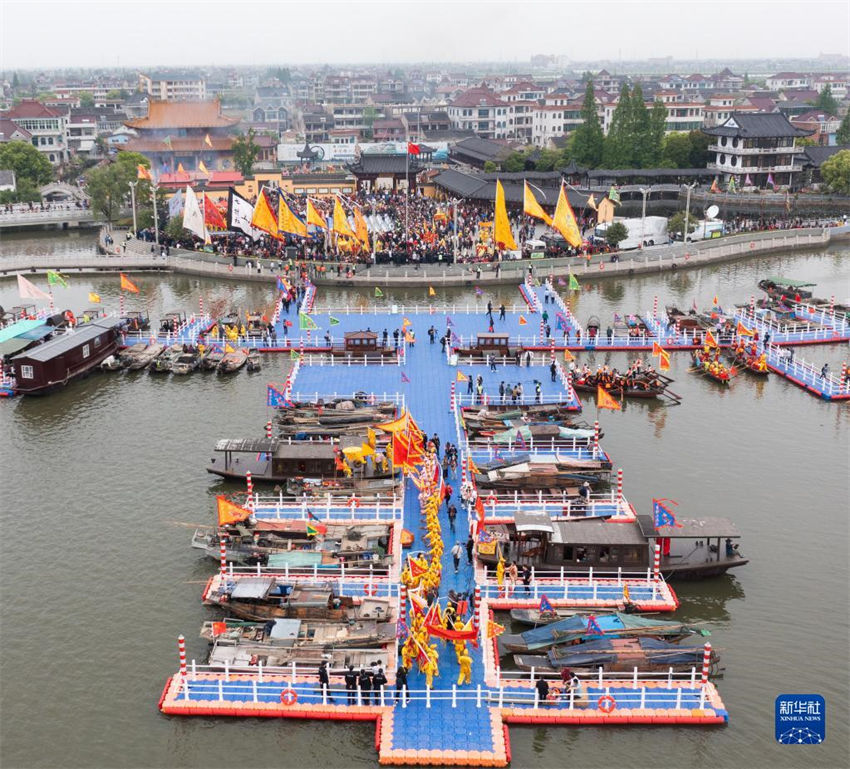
(193, 217)
(29, 290)
(240, 213)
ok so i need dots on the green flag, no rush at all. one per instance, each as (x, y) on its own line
(56, 279)
(334, 321)
(306, 323)
(574, 284)
(294, 355)
(613, 195)
(378, 292)
(167, 142)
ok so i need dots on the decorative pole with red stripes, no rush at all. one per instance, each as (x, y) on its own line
(595, 439)
(250, 483)
(181, 650)
(476, 611)
(620, 486)
(655, 307)
(201, 305)
(269, 429)
(706, 663)
(452, 397)
(402, 605)
(656, 566)
(222, 555)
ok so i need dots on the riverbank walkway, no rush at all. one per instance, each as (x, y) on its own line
(453, 723)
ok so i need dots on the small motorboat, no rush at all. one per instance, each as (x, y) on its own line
(232, 361)
(112, 363)
(211, 358)
(140, 355)
(185, 363)
(254, 362)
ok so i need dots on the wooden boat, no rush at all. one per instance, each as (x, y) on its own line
(232, 361)
(652, 386)
(185, 363)
(786, 287)
(693, 549)
(254, 362)
(163, 362)
(263, 598)
(746, 362)
(572, 630)
(112, 363)
(211, 358)
(701, 364)
(54, 363)
(285, 544)
(140, 355)
(171, 321)
(535, 617)
(618, 655)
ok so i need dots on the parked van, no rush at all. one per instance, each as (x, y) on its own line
(654, 232)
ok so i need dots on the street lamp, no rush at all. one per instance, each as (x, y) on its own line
(133, 200)
(688, 187)
(455, 201)
(644, 192)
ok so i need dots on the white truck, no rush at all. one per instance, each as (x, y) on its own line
(654, 231)
(706, 229)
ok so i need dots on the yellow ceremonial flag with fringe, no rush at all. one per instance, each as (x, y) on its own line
(565, 220)
(94, 298)
(657, 349)
(180, 169)
(742, 330)
(522, 320)
(664, 361)
(341, 225)
(203, 169)
(531, 207)
(502, 235)
(709, 339)
(431, 291)
(360, 228)
(228, 348)
(289, 222)
(229, 512)
(314, 217)
(461, 377)
(605, 401)
(568, 356)
(263, 217)
(591, 202)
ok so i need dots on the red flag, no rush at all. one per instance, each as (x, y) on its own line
(217, 627)
(479, 508)
(709, 339)
(412, 149)
(404, 377)
(605, 401)
(212, 216)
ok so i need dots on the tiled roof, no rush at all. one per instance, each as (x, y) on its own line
(181, 144)
(757, 125)
(183, 114)
(383, 164)
(8, 128)
(477, 97)
(30, 108)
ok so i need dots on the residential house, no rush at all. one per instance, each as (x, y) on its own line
(480, 110)
(45, 125)
(822, 126)
(782, 80)
(173, 85)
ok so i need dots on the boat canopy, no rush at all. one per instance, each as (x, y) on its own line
(295, 558)
(285, 630)
(788, 283)
(20, 327)
(690, 528)
(247, 445)
(598, 533)
(534, 521)
(254, 587)
(593, 653)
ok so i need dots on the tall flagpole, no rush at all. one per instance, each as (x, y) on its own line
(407, 195)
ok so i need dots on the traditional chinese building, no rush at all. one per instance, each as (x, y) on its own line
(184, 134)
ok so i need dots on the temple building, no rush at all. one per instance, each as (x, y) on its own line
(186, 134)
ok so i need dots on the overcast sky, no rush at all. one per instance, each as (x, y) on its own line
(130, 33)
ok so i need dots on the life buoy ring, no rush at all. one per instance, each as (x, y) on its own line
(289, 696)
(606, 703)
(491, 500)
(601, 265)
(752, 245)
(353, 502)
(554, 693)
(69, 316)
(370, 589)
(669, 340)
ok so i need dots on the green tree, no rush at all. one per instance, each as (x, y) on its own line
(245, 152)
(117, 93)
(26, 161)
(826, 101)
(657, 129)
(369, 115)
(86, 99)
(616, 233)
(15, 82)
(676, 224)
(174, 228)
(547, 160)
(109, 185)
(514, 162)
(641, 153)
(490, 167)
(699, 155)
(616, 151)
(587, 140)
(843, 134)
(677, 150)
(836, 172)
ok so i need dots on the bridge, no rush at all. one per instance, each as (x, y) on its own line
(64, 216)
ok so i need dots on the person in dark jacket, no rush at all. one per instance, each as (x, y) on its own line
(325, 682)
(351, 684)
(365, 686)
(401, 688)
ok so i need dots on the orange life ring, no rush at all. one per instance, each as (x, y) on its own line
(752, 245)
(69, 316)
(554, 693)
(289, 696)
(601, 265)
(370, 589)
(606, 703)
(491, 500)
(353, 502)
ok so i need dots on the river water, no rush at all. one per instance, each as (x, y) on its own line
(98, 483)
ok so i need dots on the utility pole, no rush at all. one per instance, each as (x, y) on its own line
(155, 215)
(688, 187)
(644, 192)
(454, 238)
(133, 202)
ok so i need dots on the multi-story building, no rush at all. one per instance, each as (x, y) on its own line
(757, 146)
(316, 125)
(551, 122)
(173, 86)
(820, 124)
(720, 106)
(481, 111)
(783, 80)
(45, 125)
(683, 116)
(12, 132)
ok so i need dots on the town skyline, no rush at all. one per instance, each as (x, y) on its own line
(632, 32)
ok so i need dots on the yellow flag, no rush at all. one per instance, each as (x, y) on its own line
(531, 207)
(180, 169)
(208, 141)
(565, 220)
(203, 169)
(229, 512)
(263, 217)
(289, 222)
(94, 298)
(431, 291)
(605, 401)
(314, 217)
(591, 202)
(568, 356)
(461, 377)
(361, 229)
(502, 236)
(228, 348)
(341, 225)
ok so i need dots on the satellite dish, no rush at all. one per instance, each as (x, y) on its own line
(712, 211)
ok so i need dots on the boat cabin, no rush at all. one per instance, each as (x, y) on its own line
(171, 321)
(492, 343)
(273, 460)
(694, 548)
(23, 311)
(136, 321)
(360, 341)
(90, 314)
